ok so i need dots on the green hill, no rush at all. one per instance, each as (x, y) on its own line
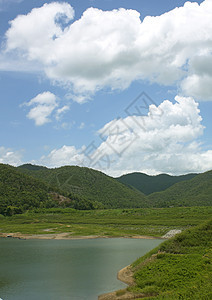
(179, 268)
(151, 184)
(19, 192)
(193, 192)
(88, 184)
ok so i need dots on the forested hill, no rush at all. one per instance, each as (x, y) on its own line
(151, 184)
(88, 184)
(19, 192)
(193, 192)
(31, 186)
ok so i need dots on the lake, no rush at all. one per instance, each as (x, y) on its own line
(65, 269)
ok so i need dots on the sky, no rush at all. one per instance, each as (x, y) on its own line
(115, 85)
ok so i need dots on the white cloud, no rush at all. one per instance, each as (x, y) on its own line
(164, 141)
(199, 83)
(61, 111)
(67, 155)
(113, 48)
(36, 32)
(8, 156)
(43, 106)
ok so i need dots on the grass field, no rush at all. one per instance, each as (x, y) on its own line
(116, 222)
(179, 268)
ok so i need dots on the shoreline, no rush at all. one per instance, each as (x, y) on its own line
(126, 276)
(67, 236)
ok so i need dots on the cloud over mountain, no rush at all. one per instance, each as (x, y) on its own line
(111, 49)
(164, 141)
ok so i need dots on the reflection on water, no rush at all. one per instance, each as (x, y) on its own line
(65, 269)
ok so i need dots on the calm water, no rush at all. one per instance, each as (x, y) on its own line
(65, 269)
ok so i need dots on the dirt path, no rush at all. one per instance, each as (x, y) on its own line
(64, 235)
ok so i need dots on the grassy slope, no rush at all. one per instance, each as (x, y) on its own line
(114, 222)
(20, 190)
(89, 184)
(150, 184)
(179, 268)
(197, 191)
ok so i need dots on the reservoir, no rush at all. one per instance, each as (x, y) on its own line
(65, 269)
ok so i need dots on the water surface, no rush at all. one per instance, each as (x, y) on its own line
(65, 269)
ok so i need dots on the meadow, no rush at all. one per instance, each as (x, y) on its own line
(153, 222)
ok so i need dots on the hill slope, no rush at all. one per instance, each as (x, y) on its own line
(179, 268)
(151, 184)
(19, 192)
(193, 192)
(88, 184)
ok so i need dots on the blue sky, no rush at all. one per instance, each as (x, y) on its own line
(119, 86)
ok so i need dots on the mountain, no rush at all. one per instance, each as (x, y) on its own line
(19, 192)
(31, 167)
(150, 184)
(88, 184)
(194, 192)
(30, 186)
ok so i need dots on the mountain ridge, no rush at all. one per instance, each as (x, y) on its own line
(30, 186)
(194, 192)
(149, 184)
(91, 184)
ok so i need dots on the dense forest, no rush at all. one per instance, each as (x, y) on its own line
(194, 192)
(19, 192)
(89, 184)
(22, 189)
(150, 184)
(29, 186)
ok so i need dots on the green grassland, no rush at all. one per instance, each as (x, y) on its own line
(180, 268)
(111, 222)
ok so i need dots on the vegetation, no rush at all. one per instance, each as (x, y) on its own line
(112, 222)
(19, 192)
(29, 186)
(38, 200)
(88, 184)
(194, 192)
(179, 268)
(151, 184)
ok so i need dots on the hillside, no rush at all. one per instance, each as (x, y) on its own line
(88, 184)
(179, 268)
(151, 184)
(19, 192)
(193, 192)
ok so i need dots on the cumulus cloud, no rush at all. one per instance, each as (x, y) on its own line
(113, 48)
(8, 156)
(66, 155)
(42, 107)
(164, 141)
(199, 82)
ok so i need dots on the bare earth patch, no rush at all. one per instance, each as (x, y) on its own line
(64, 235)
(125, 275)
